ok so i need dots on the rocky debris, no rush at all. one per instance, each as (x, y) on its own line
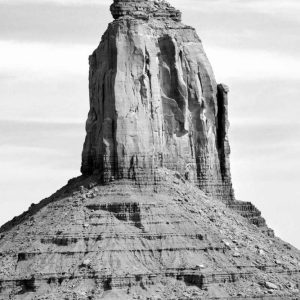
(199, 267)
(141, 243)
(271, 286)
(236, 254)
(86, 263)
(249, 211)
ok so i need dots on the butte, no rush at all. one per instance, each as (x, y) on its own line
(154, 215)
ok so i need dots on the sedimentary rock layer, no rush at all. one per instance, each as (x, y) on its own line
(154, 102)
(124, 241)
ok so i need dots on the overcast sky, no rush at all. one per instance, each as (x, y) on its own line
(253, 45)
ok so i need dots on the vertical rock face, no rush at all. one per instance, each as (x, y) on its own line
(158, 124)
(154, 102)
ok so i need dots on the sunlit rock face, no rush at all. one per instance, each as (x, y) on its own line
(154, 102)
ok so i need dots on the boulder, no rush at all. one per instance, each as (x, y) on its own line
(271, 286)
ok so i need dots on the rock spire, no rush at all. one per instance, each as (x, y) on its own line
(154, 102)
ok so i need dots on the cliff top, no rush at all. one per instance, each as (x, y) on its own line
(144, 9)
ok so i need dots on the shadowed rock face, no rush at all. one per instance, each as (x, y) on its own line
(154, 102)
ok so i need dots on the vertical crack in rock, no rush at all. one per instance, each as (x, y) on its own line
(173, 91)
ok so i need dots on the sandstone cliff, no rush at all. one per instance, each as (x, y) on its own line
(154, 102)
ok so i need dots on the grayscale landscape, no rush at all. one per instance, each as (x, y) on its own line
(154, 213)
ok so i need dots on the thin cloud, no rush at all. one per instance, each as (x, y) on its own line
(252, 64)
(286, 8)
(262, 6)
(49, 60)
(31, 60)
(278, 7)
(56, 2)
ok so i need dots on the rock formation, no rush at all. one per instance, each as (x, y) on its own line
(154, 214)
(154, 102)
(144, 9)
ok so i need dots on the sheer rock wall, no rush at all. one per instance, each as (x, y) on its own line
(154, 102)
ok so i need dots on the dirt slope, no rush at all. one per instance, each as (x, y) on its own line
(126, 241)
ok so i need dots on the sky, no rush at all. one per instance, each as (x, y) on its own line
(253, 46)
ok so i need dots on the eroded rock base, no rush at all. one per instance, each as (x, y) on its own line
(127, 241)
